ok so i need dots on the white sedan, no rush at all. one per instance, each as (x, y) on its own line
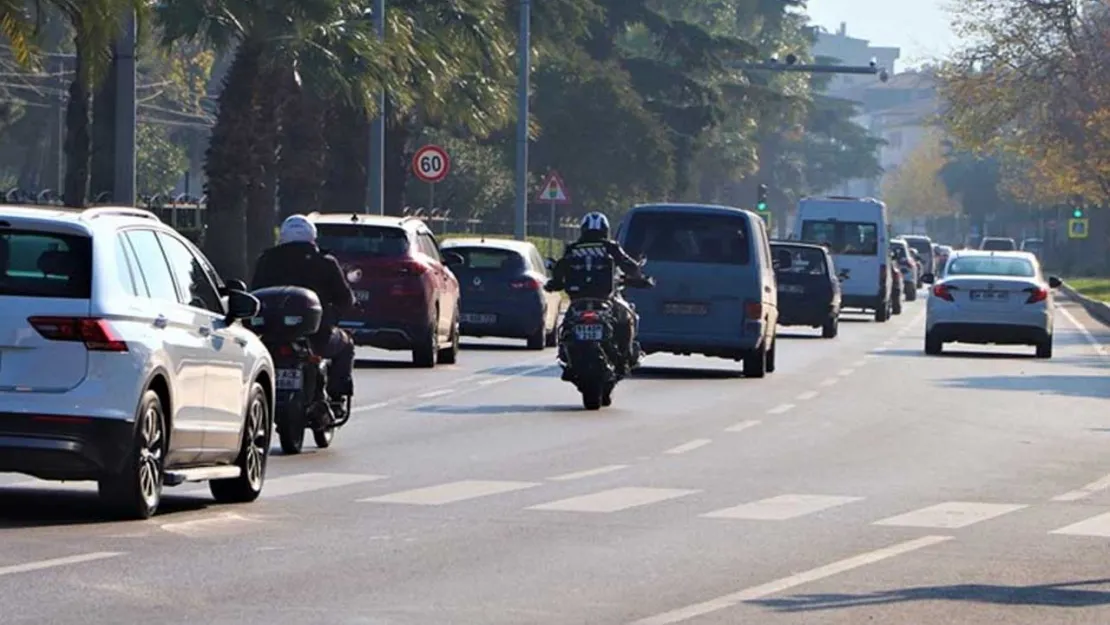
(987, 297)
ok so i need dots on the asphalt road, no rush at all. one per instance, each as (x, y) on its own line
(862, 482)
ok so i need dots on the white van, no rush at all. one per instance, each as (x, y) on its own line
(857, 232)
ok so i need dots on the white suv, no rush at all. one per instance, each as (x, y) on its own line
(122, 359)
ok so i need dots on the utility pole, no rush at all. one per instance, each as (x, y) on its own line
(375, 166)
(524, 54)
(125, 116)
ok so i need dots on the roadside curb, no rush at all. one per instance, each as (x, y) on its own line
(1100, 311)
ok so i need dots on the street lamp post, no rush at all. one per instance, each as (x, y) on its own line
(125, 117)
(524, 53)
(375, 166)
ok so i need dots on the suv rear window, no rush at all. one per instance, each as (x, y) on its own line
(803, 260)
(851, 238)
(922, 246)
(360, 240)
(683, 237)
(489, 259)
(45, 264)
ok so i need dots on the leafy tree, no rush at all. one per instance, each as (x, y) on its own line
(160, 160)
(915, 189)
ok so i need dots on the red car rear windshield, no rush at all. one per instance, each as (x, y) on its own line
(362, 240)
(45, 264)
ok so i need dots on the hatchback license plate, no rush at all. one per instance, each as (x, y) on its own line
(290, 379)
(477, 318)
(589, 332)
(677, 308)
(989, 296)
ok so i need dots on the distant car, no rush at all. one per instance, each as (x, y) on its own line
(991, 298)
(715, 286)
(923, 245)
(1034, 246)
(997, 244)
(502, 281)
(808, 286)
(908, 268)
(408, 297)
(124, 360)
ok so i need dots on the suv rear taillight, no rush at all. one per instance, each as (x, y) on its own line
(408, 267)
(1036, 294)
(527, 284)
(943, 292)
(96, 334)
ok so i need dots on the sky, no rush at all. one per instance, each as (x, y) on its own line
(919, 27)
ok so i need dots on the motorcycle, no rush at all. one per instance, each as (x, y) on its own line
(286, 320)
(587, 352)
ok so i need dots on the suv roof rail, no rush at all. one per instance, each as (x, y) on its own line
(117, 211)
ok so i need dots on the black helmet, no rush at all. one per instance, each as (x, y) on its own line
(595, 226)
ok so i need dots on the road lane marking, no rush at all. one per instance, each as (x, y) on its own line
(860, 362)
(743, 425)
(614, 500)
(951, 515)
(1082, 330)
(786, 583)
(808, 395)
(1086, 491)
(377, 406)
(781, 508)
(577, 475)
(688, 446)
(28, 567)
(439, 393)
(878, 350)
(846, 372)
(1096, 526)
(450, 492)
(493, 381)
(829, 382)
(219, 524)
(781, 408)
(308, 482)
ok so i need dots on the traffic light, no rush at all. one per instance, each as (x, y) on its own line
(761, 198)
(1077, 213)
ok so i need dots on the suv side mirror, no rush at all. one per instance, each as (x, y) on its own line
(928, 278)
(1054, 282)
(233, 285)
(453, 259)
(241, 305)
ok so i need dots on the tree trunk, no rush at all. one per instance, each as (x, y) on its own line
(262, 192)
(77, 137)
(346, 129)
(304, 152)
(396, 165)
(228, 166)
(103, 157)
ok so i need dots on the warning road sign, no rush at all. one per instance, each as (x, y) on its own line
(553, 190)
(1077, 228)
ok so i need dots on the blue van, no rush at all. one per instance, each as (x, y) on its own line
(715, 290)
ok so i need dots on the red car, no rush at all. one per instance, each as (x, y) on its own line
(408, 298)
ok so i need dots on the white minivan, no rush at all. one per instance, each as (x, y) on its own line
(856, 232)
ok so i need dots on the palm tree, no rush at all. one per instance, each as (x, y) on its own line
(275, 44)
(17, 26)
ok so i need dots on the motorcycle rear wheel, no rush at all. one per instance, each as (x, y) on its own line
(290, 428)
(593, 396)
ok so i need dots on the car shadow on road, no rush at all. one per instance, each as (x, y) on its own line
(374, 363)
(958, 353)
(794, 336)
(497, 410)
(685, 373)
(31, 507)
(1096, 386)
(1061, 595)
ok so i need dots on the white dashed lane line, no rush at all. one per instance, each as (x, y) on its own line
(743, 425)
(829, 382)
(688, 446)
(780, 409)
(29, 567)
(808, 395)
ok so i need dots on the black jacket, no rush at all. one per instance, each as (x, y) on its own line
(304, 265)
(605, 255)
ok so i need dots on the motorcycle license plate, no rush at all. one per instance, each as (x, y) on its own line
(290, 379)
(589, 332)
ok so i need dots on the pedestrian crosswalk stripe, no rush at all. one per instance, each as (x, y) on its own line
(951, 515)
(1096, 526)
(614, 500)
(450, 492)
(308, 482)
(782, 507)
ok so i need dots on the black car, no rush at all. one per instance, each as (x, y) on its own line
(808, 286)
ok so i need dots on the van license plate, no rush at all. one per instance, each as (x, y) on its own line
(989, 296)
(290, 379)
(589, 332)
(677, 308)
(791, 288)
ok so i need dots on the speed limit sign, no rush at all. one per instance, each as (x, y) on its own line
(431, 164)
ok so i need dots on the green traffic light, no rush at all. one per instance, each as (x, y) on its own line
(1077, 213)
(761, 206)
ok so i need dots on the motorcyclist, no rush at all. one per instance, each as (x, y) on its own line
(297, 261)
(588, 270)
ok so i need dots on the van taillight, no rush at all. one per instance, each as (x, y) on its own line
(96, 334)
(753, 311)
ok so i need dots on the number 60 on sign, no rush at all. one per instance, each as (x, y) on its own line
(430, 164)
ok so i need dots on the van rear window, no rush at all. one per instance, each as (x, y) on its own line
(34, 263)
(684, 237)
(361, 240)
(849, 238)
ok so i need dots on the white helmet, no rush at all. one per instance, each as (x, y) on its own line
(596, 224)
(297, 229)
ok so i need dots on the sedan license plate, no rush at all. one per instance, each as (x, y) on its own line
(589, 332)
(477, 318)
(362, 296)
(290, 379)
(989, 296)
(792, 288)
(678, 308)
